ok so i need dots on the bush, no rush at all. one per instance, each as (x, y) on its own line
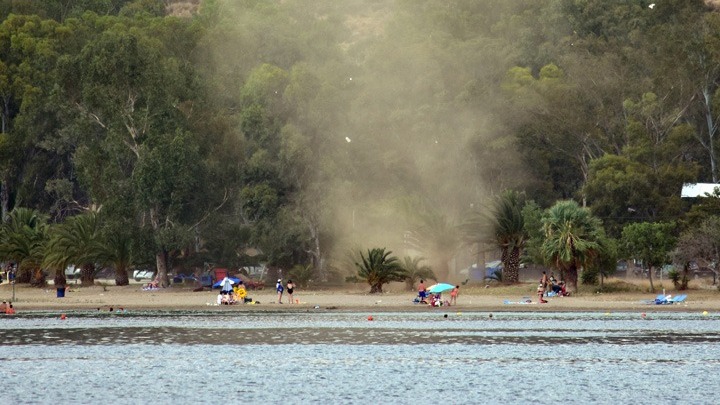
(589, 277)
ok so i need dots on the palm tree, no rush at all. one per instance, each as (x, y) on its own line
(414, 271)
(379, 268)
(79, 241)
(508, 232)
(439, 238)
(22, 240)
(572, 237)
(117, 251)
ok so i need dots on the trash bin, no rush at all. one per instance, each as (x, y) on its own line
(60, 292)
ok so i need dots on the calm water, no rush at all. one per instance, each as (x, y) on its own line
(216, 357)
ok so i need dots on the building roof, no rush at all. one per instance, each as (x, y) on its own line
(691, 190)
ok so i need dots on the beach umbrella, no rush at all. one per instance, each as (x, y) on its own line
(440, 288)
(226, 283)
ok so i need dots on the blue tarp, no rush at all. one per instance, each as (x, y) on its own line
(476, 273)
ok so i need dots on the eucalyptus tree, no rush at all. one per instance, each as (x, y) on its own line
(688, 68)
(132, 98)
(378, 268)
(701, 244)
(650, 242)
(23, 240)
(28, 119)
(572, 238)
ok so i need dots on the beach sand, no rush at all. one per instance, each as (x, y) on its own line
(351, 298)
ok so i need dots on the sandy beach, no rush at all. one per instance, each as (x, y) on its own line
(351, 298)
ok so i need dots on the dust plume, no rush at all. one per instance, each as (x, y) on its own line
(403, 119)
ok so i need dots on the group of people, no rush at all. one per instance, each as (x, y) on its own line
(231, 292)
(549, 286)
(7, 308)
(435, 299)
(290, 286)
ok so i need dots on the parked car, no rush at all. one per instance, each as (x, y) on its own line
(105, 273)
(140, 275)
(697, 271)
(72, 272)
(184, 278)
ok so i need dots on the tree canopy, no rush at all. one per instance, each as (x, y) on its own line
(299, 130)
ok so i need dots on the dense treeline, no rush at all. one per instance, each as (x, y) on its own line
(303, 130)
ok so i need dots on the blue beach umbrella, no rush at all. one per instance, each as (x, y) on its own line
(232, 280)
(440, 288)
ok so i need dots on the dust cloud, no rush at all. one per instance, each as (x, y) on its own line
(404, 121)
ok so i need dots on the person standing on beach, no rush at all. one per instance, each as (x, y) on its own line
(290, 289)
(279, 288)
(422, 293)
(454, 294)
(544, 281)
(541, 293)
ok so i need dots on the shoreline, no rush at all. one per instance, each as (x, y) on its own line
(351, 299)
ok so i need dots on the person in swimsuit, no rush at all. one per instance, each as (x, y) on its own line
(290, 288)
(422, 294)
(541, 293)
(454, 294)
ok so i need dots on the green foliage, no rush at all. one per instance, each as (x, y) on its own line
(301, 275)
(700, 244)
(678, 278)
(23, 240)
(509, 233)
(572, 238)
(233, 121)
(77, 241)
(378, 268)
(532, 216)
(414, 271)
(650, 242)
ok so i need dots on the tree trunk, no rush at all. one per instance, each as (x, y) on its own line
(707, 97)
(23, 275)
(316, 252)
(4, 199)
(87, 274)
(121, 276)
(512, 267)
(652, 287)
(685, 279)
(375, 288)
(60, 281)
(161, 259)
(572, 277)
(38, 279)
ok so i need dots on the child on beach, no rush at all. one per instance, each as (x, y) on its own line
(453, 295)
(279, 288)
(541, 292)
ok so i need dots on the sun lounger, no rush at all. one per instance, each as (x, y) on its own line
(680, 298)
(657, 300)
(661, 299)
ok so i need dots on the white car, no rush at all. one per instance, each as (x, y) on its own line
(140, 275)
(72, 272)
